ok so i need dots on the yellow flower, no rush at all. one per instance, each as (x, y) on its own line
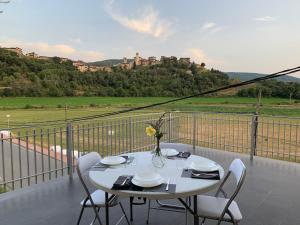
(150, 131)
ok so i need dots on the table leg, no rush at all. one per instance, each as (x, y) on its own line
(131, 213)
(196, 218)
(106, 209)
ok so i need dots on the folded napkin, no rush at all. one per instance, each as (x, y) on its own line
(184, 155)
(124, 183)
(210, 175)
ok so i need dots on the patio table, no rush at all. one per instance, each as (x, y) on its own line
(173, 169)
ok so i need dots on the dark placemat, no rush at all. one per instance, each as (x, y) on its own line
(101, 165)
(162, 188)
(184, 155)
(189, 173)
(181, 155)
(129, 186)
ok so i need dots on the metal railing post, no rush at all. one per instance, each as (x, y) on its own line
(254, 126)
(3, 162)
(194, 132)
(170, 127)
(69, 149)
(130, 133)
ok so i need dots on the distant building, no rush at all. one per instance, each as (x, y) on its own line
(44, 57)
(164, 59)
(137, 59)
(95, 68)
(107, 69)
(32, 55)
(185, 60)
(81, 66)
(152, 60)
(64, 60)
(125, 64)
(17, 50)
(99, 68)
(173, 59)
(144, 62)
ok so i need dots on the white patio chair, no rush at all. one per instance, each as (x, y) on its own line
(219, 208)
(95, 200)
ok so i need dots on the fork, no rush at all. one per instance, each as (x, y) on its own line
(205, 174)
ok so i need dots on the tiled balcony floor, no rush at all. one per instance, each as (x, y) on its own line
(270, 196)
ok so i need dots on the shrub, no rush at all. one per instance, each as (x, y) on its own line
(28, 106)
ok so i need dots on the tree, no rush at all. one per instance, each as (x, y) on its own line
(291, 89)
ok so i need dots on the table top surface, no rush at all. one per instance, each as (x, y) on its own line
(172, 170)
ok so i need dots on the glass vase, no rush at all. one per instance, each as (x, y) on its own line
(158, 160)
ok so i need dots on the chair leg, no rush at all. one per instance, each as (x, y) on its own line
(203, 221)
(80, 215)
(131, 213)
(148, 212)
(121, 206)
(94, 220)
(235, 223)
(186, 211)
(97, 214)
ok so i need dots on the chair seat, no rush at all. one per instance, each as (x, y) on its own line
(98, 197)
(212, 207)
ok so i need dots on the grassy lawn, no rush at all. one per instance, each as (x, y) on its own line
(27, 109)
(46, 102)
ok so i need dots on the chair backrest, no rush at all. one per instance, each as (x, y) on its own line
(85, 162)
(238, 169)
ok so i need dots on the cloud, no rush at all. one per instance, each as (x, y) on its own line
(212, 27)
(265, 19)
(208, 25)
(75, 40)
(147, 22)
(61, 50)
(199, 56)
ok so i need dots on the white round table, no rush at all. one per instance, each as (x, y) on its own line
(185, 186)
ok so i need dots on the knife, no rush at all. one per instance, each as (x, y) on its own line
(167, 187)
(124, 182)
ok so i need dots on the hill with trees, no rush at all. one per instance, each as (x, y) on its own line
(242, 76)
(24, 76)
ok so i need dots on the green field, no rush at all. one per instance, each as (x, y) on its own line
(54, 102)
(27, 109)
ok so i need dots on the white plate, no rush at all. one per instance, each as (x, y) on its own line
(147, 179)
(204, 166)
(169, 152)
(113, 160)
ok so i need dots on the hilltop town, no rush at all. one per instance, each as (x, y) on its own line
(126, 64)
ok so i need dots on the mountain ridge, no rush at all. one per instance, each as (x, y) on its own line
(243, 76)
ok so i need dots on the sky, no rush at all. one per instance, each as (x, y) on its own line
(230, 35)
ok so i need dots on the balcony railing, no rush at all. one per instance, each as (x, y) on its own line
(29, 155)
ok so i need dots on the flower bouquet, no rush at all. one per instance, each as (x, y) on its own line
(154, 130)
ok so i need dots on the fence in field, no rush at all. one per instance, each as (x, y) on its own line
(29, 155)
